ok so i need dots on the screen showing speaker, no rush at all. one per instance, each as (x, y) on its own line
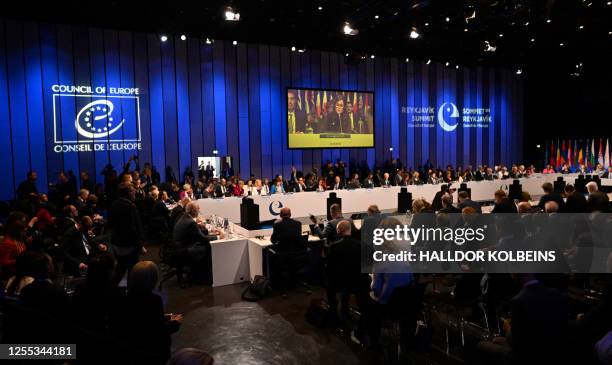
(324, 118)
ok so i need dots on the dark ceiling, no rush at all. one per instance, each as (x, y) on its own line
(384, 25)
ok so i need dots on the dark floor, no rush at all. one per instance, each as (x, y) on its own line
(273, 330)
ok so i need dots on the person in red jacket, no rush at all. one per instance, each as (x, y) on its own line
(12, 244)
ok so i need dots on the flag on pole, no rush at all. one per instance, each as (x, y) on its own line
(580, 157)
(558, 159)
(355, 106)
(563, 151)
(607, 154)
(324, 102)
(307, 99)
(299, 101)
(600, 158)
(592, 156)
(569, 153)
(318, 105)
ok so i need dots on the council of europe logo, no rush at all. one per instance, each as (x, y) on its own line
(96, 118)
(275, 207)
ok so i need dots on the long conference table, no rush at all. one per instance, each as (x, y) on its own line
(305, 203)
(239, 257)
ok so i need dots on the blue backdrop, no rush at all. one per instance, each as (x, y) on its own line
(194, 98)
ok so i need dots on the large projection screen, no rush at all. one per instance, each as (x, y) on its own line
(326, 118)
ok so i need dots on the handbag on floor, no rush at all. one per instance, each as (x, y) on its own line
(258, 289)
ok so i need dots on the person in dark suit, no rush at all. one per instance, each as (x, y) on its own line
(447, 204)
(337, 184)
(537, 331)
(296, 119)
(385, 182)
(574, 201)
(436, 203)
(222, 189)
(503, 204)
(598, 201)
(344, 271)
(192, 244)
(78, 248)
(465, 201)
(336, 120)
(299, 185)
(607, 174)
(287, 232)
(550, 195)
(329, 231)
(127, 234)
(139, 321)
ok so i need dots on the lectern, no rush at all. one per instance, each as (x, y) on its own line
(404, 201)
(249, 214)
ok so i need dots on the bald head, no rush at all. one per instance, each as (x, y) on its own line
(524, 207)
(551, 207)
(343, 228)
(285, 213)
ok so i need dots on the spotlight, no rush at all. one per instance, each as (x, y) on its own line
(428, 62)
(215, 152)
(537, 146)
(376, 16)
(407, 59)
(301, 50)
(235, 43)
(209, 41)
(414, 34)
(293, 49)
(163, 38)
(609, 3)
(372, 56)
(427, 24)
(391, 149)
(320, 8)
(581, 27)
(465, 29)
(519, 71)
(501, 35)
(183, 37)
(231, 15)
(346, 54)
(447, 19)
(548, 21)
(526, 23)
(348, 30)
(561, 44)
(456, 67)
(447, 64)
(532, 40)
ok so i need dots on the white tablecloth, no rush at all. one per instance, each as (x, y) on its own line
(306, 203)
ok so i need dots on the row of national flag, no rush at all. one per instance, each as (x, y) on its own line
(576, 152)
(317, 101)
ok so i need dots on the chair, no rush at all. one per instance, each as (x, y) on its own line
(174, 262)
(290, 267)
(400, 318)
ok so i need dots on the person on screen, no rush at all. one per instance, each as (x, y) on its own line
(311, 125)
(296, 119)
(336, 120)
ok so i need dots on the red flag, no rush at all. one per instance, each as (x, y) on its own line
(569, 153)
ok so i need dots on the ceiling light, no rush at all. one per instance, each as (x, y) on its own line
(526, 23)
(447, 19)
(581, 27)
(231, 14)
(235, 43)
(447, 64)
(163, 38)
(320, 8)
(457, 67)
(414, 34)
(427, 24)
(346, 54)
(465, 29)
(209, 41)
(372, 56)
(428, 62)
(183, 37)
(376, 17)
(301, 50)
(501, 35)
(519, 71)
(348, 30)
(561, 44)
(532, 40)
(407, 59)
(548, 21)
